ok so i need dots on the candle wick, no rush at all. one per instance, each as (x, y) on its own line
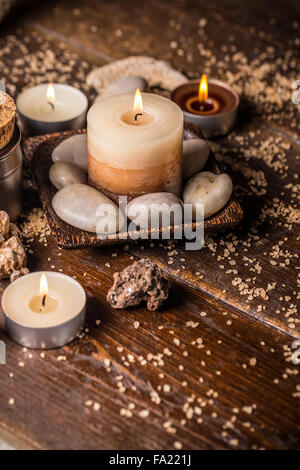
(136, 116)
(52, 105)
(44, 300)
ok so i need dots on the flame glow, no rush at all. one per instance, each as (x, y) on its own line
(138, 102)
(50, 93)
(203, 89)
(43, 285)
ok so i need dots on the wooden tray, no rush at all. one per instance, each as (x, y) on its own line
(37, 150)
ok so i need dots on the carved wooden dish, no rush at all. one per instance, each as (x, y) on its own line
(37, 150)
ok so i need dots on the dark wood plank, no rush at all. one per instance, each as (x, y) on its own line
(242, 404)
(268, 19)
(255, 267)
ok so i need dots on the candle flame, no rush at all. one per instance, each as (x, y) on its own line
(50, 93)
(138, 102)
(43, 285)
(203, 89)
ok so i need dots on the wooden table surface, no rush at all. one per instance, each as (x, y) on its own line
(214, 369)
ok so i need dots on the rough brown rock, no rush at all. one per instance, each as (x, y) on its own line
(7, 118)
(141, 281)
(13, 257)
(4, 224)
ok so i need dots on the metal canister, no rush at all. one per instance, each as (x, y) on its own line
(11, 176)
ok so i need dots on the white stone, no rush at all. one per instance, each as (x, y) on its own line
(153, 210)
(86, 208)
(124, 85)
(195, 155)
(72, 150)
(206, 188)
(62, 174)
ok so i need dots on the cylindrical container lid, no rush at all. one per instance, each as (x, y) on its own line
(10, 159)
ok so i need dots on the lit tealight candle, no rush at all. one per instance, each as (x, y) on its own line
(211, 105)
(135, 145)
(44, 310)
(51, 108)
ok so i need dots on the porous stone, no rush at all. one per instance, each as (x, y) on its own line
(86, 208)
(72, 150)
(141, 281)
(213, 191)
(12, 257)
(124, 85)
(62, 174)
(195, 155)
(154, 210)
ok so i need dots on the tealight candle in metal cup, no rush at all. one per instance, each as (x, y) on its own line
(215, 116)
(49, 108)
(44, 310)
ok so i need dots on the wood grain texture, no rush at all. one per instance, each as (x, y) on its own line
(254, 47)
(220, 345)
(241, 267)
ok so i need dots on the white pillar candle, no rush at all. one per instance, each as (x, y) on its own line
(51, 108)
(44, 310)
(135, 151)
